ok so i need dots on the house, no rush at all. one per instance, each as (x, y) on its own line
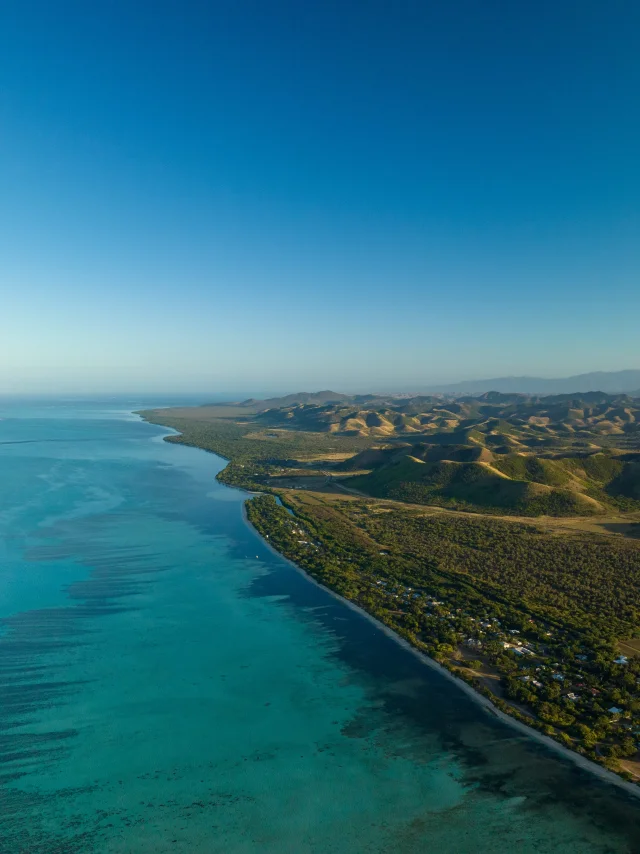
(558, 677)
(614, 710)
(621, 659)
(571, 696)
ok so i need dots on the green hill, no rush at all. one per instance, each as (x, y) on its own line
(471, 486)
(533, 470)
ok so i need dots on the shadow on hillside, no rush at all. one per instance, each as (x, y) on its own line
(627, 529)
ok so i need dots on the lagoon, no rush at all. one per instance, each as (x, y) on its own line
(169, 684)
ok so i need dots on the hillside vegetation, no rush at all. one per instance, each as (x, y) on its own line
(581, 484)
(563, 455)
(472, 485)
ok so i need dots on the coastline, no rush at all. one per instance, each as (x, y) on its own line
(603, 774)
(582, 762)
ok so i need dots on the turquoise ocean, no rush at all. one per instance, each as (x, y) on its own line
(168, 684)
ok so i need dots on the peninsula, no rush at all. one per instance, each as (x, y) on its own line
(499, 534)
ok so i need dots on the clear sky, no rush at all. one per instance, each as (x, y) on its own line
(316, 193)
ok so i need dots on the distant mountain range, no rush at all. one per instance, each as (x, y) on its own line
(613, 382)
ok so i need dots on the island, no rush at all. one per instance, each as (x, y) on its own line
(498, 534)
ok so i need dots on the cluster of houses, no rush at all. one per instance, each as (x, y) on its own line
(297, 531)
(533, 655)
(532, 650)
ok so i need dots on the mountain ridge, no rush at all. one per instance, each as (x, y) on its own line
(610, 382)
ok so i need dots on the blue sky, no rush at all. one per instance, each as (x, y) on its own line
(361, 195)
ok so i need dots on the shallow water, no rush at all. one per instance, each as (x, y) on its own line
(168, 684)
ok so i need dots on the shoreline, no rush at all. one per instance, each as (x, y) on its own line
(603, 774)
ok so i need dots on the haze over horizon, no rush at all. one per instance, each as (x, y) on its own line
(303, 196)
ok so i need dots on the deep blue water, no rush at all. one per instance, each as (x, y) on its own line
(167, 684)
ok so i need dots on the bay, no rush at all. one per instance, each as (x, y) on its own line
(169, 684)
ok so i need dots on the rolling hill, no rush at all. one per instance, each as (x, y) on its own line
(510, 454)
(494, 418)
(471, 478)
